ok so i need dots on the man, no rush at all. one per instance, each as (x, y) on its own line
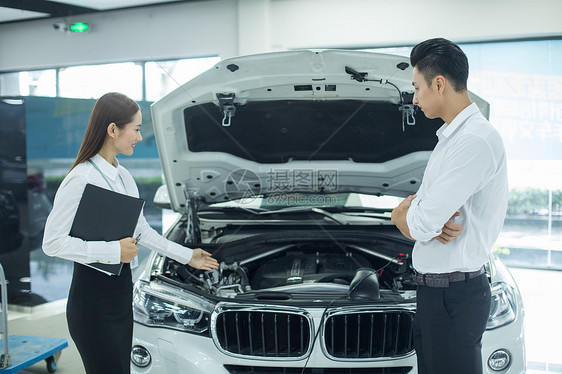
(455, 217)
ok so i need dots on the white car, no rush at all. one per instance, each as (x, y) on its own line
(285, 166)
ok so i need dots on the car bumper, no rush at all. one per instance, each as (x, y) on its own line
(176, 352)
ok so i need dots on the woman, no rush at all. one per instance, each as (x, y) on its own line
(99, 307)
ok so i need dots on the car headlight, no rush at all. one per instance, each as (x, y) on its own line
(162, 305)
(502, 308)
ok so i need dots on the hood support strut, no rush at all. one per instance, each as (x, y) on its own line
(192, 231)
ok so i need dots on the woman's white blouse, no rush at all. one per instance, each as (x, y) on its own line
(57, 242)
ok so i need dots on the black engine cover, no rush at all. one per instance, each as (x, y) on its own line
(297, 267)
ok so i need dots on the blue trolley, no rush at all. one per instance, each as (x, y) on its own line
(25, 351)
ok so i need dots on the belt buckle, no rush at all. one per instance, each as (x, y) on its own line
(441, 282)
(436, 281)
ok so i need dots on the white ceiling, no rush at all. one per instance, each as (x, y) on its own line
(13, 11)
(9, 14)
(112, 4)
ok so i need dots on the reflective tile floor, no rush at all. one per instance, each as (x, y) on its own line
(540, 290)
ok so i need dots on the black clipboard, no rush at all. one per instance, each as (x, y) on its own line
(105, 215)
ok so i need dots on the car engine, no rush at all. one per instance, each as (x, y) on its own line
(298, 267)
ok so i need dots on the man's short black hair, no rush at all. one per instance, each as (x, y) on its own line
(440, 56)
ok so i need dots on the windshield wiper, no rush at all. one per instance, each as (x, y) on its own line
(328, 211)
(301, 209)
(234, 209)
(329, 215)
(331, 212)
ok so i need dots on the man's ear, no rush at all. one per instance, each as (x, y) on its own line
(440, 83)
(112, 129)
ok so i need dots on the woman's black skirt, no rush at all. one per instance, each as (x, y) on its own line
(100, 319)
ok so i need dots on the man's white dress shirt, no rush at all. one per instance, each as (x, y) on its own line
(57, 242)
(467, 173)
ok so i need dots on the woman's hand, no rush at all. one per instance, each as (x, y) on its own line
(128, 249)
(202, 260)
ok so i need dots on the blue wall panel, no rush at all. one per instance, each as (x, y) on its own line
(56, 127)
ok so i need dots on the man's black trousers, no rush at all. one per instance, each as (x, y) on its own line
(449, 324)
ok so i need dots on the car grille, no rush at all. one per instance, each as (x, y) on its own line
(237, 369)
(369, 335)
(263, 333)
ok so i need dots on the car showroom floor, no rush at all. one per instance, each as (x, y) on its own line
(540, 290)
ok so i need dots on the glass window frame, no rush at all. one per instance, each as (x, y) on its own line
(143, 63)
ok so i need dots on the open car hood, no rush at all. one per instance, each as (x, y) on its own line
(308, 121)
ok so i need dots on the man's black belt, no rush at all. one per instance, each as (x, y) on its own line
(443, 279)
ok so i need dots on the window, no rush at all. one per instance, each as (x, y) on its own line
(92, 81)
(163, 77)
(29, 83)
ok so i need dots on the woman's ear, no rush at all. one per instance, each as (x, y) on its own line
(112, 129)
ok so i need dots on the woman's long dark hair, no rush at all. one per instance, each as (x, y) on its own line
(113, 107)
